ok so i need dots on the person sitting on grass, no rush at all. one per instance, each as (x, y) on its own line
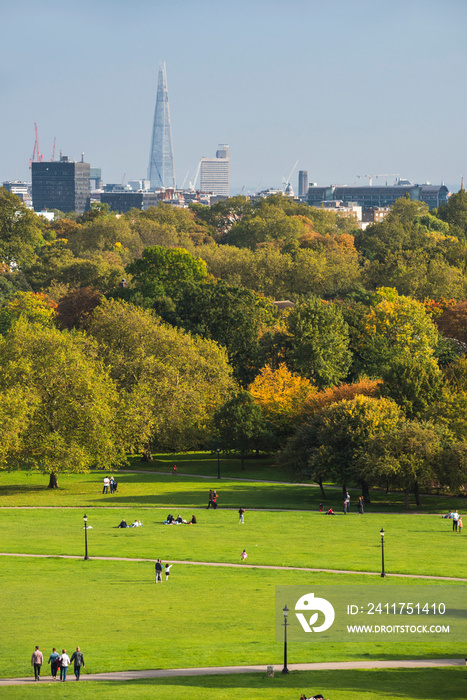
(330, 512)
(137, 523)
(170, 519)
(123, 523)
(193, 520)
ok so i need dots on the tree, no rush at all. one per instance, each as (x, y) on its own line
(281, 395)
(395, 326)
(74, 423)
(171, 383)
(75, 307)
(20, 231)
(239, 426)
(412, 383)
(232, 316)
(37, 308)
(161, 270)
(404, 457)
(318, 344)
(454, 212)
(339, 434)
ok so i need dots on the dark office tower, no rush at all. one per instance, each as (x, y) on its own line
(62, 185)
(161, 159)
(302, 182)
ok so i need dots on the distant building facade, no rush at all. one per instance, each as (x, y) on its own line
(369, 197)
(126, 200)
(302, 183)
(62, 184)
(20, 188)
(214, 172)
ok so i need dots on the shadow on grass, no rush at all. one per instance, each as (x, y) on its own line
(418, 684)
(17, 489)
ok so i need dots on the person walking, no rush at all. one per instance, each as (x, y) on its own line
(53, 661)
(344, 506)
(112, 484)
(210, 499)
(78, 660)
(214, 499)
(174, 469)
(460, 524)
(244, 555)
(360, 505)
(158, 571)
(37, 660)
(64, 663)
(455, 520)
(241, 513)
(347, 498)
(105, 488)
(167, 571)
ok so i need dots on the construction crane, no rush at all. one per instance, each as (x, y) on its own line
(287, 182)
(36, 154)
(386, 175)
(53, 151)
(193, 184)
(183, 183)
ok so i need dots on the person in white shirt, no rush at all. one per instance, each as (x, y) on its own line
(455, 518)
(64, 663)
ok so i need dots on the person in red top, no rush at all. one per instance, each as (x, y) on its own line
(37, 661)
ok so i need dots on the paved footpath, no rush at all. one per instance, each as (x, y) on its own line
(225, 670)
(236, 566)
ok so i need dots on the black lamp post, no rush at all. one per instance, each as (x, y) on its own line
(218, 463)
(85, 518)
(382, 553)
(286, 612)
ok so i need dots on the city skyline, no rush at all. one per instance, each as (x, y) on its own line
(375, 90)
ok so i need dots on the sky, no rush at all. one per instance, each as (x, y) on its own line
(348, 88)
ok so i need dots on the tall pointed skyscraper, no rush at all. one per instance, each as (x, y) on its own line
(161, 159)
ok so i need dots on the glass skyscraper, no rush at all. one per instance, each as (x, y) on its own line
(161, 159)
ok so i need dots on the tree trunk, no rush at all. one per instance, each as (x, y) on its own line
(53, 482)
(406, 498)
(344, 490)
(320, 482)
(365, 491)
(416, 493)
(242, 457)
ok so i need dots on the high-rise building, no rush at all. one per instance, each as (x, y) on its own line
(62, 184)
(302, 183)
(214, 172)
(161, 159)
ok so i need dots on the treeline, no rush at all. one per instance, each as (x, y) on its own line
(362, 380)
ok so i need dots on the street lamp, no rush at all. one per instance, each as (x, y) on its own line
(382, 553)
(85, 518)
(286, 612)
(218, 463)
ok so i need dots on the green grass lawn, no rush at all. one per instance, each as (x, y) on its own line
(149, 489)
(414, 544)
(202, 617)
(419, 684)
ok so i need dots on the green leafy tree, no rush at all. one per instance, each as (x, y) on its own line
(232, 316)
(318, 343)
(20, 231)
(339, 434)
(37, 308)
(170, 382)
(239, 426)
(413, 384)
(454, 212)
(73, 425)
(404, 457)
(160, 271)
(395, 326)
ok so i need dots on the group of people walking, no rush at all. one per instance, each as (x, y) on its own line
(212, 499)
(58, 662)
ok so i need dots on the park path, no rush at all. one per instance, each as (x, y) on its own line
(237, 566)
(225, 670)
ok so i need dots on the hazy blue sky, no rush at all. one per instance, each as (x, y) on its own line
(348, 87)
